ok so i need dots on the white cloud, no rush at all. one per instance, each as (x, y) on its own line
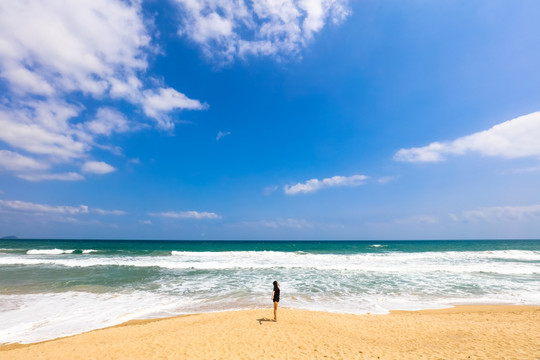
(59, 52)
(316, 184)
(222, 134)
(97, 167)
(514, 138)
(187, 215)
(499, 213)
(226, 29)
(67, 46)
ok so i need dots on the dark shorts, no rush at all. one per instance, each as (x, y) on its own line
(276, 300)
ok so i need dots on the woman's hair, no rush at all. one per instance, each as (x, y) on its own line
(275, 283)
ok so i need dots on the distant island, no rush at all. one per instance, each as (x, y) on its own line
(10, 237)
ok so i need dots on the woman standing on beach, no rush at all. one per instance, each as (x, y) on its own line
(275, 298)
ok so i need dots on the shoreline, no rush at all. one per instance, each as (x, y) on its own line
(475, 331)
(142, 321)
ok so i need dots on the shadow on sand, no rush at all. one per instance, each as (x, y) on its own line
(264, 319)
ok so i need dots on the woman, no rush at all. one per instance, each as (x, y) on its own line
(275, 298)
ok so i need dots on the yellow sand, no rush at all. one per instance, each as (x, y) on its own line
(465, 332)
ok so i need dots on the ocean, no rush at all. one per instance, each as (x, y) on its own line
(55, 288)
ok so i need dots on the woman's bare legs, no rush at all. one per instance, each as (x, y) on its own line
(275, 310)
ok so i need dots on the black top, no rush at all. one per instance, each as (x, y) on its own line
(276, 293)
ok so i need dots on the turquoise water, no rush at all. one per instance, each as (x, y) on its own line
(340, 247)
(51, 288)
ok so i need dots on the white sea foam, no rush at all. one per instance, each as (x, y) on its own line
(500, 262)
(191, 282)
(48, 252)
(56, 251)
(37, 317)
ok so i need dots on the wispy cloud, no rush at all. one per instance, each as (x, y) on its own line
(499, 213)
(42, 128)
(107, 212)
(42, 208)
(525, 170)
(280, 223)
(36, 208)
(316, 184)
(222, 134)
(187, 215)
(70, 176)
(418, 219)
(108, 121)
(386, 179)
(30, 169)
(158, 103)
(95, 49)
(12, 161)
(226, 29)
(268, 190)
(511, 139)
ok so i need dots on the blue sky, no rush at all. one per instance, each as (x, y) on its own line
(313, 119)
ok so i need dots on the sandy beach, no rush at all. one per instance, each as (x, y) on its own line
(463, 332)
